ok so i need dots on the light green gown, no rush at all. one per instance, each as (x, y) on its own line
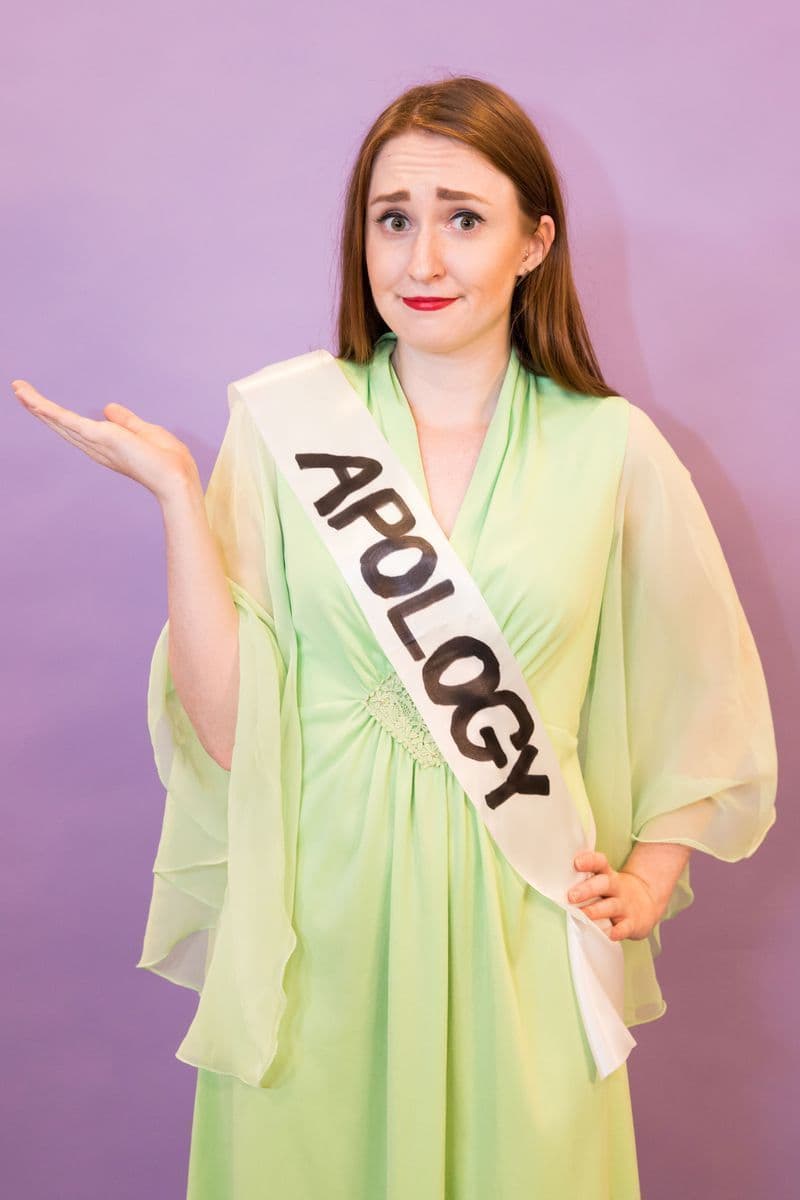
(386, 1010)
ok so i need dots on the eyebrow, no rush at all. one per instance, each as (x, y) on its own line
(441, 194)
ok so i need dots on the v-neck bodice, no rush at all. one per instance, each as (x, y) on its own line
(535, 520)
(390, 407)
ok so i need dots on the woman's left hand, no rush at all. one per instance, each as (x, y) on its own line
(622, 897)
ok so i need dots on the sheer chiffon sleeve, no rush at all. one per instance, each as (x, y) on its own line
(702, 747)
(219, 920)
(677, 732)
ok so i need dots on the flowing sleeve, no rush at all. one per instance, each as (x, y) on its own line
(219, 920)
(702, 746)
(677, 730)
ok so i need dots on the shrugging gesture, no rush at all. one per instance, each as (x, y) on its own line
(124, 441)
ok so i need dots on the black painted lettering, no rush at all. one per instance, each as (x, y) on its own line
(369, 506)
(366, 469)
(470, 697)
(398, 612)
(519, 782)
(398, 585)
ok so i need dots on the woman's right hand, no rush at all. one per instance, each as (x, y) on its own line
(124, 442)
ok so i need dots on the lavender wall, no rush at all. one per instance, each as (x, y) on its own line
(171, 182)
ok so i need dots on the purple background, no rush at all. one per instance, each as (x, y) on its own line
(172, 182)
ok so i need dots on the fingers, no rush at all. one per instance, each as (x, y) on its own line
(599, 885)
(121, 415)
(601, 882)
(621, 929)
(76, 438)
(598, 897)
(83, 432)
(591, 860)
(63, 420)
(121, 440)
(30, 397)
(46, 409)
(609, 906)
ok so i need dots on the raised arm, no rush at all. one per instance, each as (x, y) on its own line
(203, 641)
(203, 624)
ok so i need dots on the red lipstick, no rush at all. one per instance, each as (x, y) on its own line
(428, 303)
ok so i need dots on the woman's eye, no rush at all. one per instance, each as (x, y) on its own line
(472, 216)
(394, 215)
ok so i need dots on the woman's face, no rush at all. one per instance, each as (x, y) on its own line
(467, 247)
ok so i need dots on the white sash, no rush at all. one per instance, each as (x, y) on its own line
(436, 629)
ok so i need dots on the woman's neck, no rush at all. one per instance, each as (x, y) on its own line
(453, 391)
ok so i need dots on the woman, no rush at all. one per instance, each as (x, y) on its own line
(386, 1006)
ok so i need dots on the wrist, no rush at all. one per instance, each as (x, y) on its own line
(658, 900)
(183, 489)
(657, 865)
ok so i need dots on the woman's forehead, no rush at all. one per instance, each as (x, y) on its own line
(429, 163)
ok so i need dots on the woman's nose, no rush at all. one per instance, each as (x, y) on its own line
(426, 260)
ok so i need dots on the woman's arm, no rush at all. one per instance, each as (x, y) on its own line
(203, 623)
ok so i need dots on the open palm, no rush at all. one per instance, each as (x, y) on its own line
(124, 442)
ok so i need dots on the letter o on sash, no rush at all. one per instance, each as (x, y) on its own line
(398, 585)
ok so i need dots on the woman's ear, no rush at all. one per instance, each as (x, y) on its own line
(540, 241)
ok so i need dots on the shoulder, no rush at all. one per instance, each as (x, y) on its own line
(548, 388)
(601, 419)
(250, 388)
(648, 450)
(656, 491)
(645, 442)
(274, 384)
(355, 373)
